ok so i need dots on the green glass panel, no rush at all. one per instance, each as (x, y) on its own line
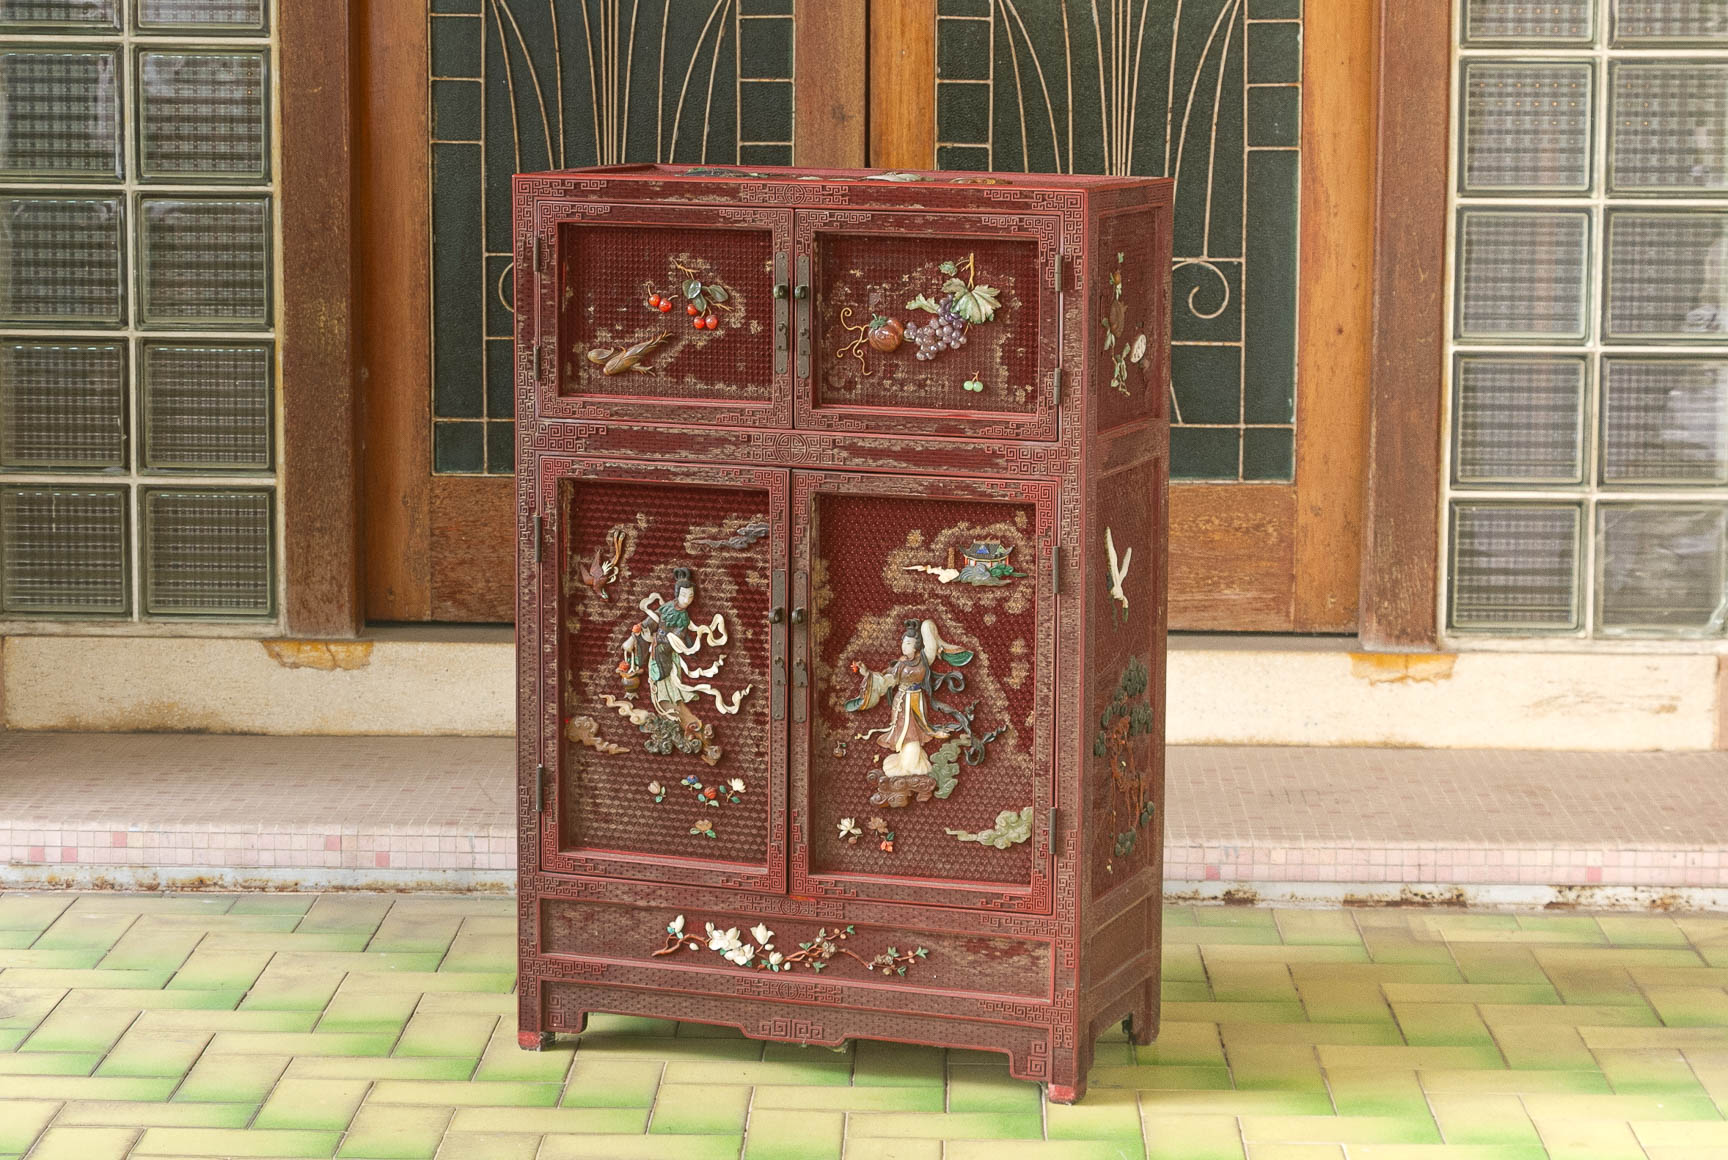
(1207, 92)
(520, 87)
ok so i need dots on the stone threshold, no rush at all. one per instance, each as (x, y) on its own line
(1235, 691)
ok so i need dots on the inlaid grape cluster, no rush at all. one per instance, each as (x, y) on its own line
(947, 331)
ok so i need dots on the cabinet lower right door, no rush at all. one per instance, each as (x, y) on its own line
(923, 690)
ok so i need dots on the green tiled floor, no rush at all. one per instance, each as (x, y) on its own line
(360, 1026)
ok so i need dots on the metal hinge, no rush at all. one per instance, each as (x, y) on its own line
(536, 371)
(1050, 826)
(539, 789)
(1058, 271)
(539, 535)
(1055, 569)
(539, 255)
(1056, 388)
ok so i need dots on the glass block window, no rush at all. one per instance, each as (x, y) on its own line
(62, 404)
(203, 17)
(1515, 566)
(1520, 419)
(204, 262)
(1646, 22)
(1664, 421)
(203, 115)
(207, 405)
(1587, 495)
(138, 353)
(61, 117)
(1661, 568)
(60, 15)
(62, 260)
(1523, 275)
(1529, 21)
(63, 551)
(207, 553)
(1527, 126)
(1668, 126)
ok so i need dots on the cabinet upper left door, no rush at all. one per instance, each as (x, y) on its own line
(661, 626)
(675, 315)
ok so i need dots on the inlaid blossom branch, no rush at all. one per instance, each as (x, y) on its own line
(762, 955)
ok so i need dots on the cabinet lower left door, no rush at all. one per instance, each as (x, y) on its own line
(663, 638)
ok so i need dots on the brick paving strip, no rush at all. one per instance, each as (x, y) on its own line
(165, 810)
(354, 1025)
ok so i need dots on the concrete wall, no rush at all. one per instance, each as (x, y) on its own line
(1225, 691)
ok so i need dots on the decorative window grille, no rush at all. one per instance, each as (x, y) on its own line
(1587, 489)
(138, 366)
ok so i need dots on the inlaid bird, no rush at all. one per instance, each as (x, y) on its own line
(599, 572)
(612, 361)
(1118, 570)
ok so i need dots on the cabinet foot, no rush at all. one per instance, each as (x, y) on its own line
(1065, 1093)
(534, 1040)
(1142, 1025)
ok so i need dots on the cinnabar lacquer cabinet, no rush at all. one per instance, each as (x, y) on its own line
(841, 604)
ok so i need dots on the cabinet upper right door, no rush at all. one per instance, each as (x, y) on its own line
(928, 323)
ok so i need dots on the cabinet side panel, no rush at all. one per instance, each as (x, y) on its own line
(1130, 276)
(1124, 716)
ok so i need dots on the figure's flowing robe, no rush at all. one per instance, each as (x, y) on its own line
(668, 664)
(909, 721)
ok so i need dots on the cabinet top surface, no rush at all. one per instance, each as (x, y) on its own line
(728, 174)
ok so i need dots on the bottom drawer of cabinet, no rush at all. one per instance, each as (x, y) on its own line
(781, 955)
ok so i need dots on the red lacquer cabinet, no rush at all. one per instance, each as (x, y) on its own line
(841, 604)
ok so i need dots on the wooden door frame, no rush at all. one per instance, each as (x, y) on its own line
(409, 513)
(1401, 549)
(319, 471)
(356, 290)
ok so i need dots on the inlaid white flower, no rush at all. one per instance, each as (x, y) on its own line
(775, 959)
(848, 828)
(723, 941)
(676, 926)
(763, 935)
(655, 787)
(741, 954)
(737, 785)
